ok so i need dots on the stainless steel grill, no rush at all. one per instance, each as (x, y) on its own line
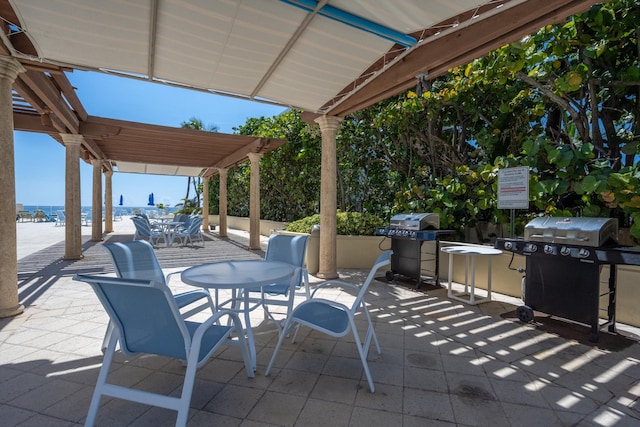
(592, 232)
(415, 221)
(408, 232)
(564, 259)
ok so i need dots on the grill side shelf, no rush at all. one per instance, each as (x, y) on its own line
(621, 255)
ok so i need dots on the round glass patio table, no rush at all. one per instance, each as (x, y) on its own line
(239, 275)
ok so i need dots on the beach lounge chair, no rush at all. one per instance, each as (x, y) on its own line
(25, 216)
(336, 319)
(40, 216)
(157, 328)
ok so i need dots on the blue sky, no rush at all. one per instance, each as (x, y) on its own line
(40, 160)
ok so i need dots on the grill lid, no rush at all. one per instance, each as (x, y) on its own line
(594, 232)
(415, 221)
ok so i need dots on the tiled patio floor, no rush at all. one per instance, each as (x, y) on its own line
(443, 363)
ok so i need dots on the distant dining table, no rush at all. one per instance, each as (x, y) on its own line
(169, 228)
(239, 275)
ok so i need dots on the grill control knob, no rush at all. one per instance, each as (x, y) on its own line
(549, 250)
(583, 253)
(530, 247)
(564, 251)
(508, 246)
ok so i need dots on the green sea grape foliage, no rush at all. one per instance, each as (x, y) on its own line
(347, 223)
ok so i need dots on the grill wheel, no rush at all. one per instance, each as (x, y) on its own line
(524, 313)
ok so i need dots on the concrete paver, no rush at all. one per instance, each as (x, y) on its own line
(442, 362)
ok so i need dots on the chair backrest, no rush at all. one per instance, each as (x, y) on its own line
(135, 260)
(142, 226)
(194, 225)
(289, 249)
(60, 215)
(383, 260)
(180, 217)
(154, 327)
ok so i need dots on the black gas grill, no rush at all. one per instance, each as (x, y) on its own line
(564, 258)
(408, 232)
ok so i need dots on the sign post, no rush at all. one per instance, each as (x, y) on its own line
(513, 190)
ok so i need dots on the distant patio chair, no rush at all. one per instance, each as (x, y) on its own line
(336, 319)
(145, 232)
(60, 218)
(156, 327)
(85, 218)
(180, 217)
(192, 231)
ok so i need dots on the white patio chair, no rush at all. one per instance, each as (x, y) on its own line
(145, 232)
(156, 327)
(337, 319)
(60, 218)
(192, 231)
(137, 260)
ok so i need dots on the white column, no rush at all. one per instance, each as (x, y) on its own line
(96, 201)
(72, 207)
(222, 202)
(108, 202)
(9, 304)
(254, 202)
(205, 203)
(328, 204)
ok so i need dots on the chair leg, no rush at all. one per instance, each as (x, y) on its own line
(287, 327)
(371, 333)
(102, 380)
(187, 389)
(242, 342)
(363, 355)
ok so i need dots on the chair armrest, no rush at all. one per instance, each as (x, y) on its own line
(168, 276)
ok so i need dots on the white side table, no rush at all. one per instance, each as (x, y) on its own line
(470, 253)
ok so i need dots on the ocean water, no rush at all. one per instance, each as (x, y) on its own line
(117, 210)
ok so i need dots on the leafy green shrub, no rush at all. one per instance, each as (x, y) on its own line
(348, 223)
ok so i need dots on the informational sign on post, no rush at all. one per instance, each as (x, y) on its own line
(513, 188)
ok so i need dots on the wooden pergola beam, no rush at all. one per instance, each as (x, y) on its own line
(459, 47)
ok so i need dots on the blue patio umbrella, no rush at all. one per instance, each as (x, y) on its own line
(121, 200)
(151, 200)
